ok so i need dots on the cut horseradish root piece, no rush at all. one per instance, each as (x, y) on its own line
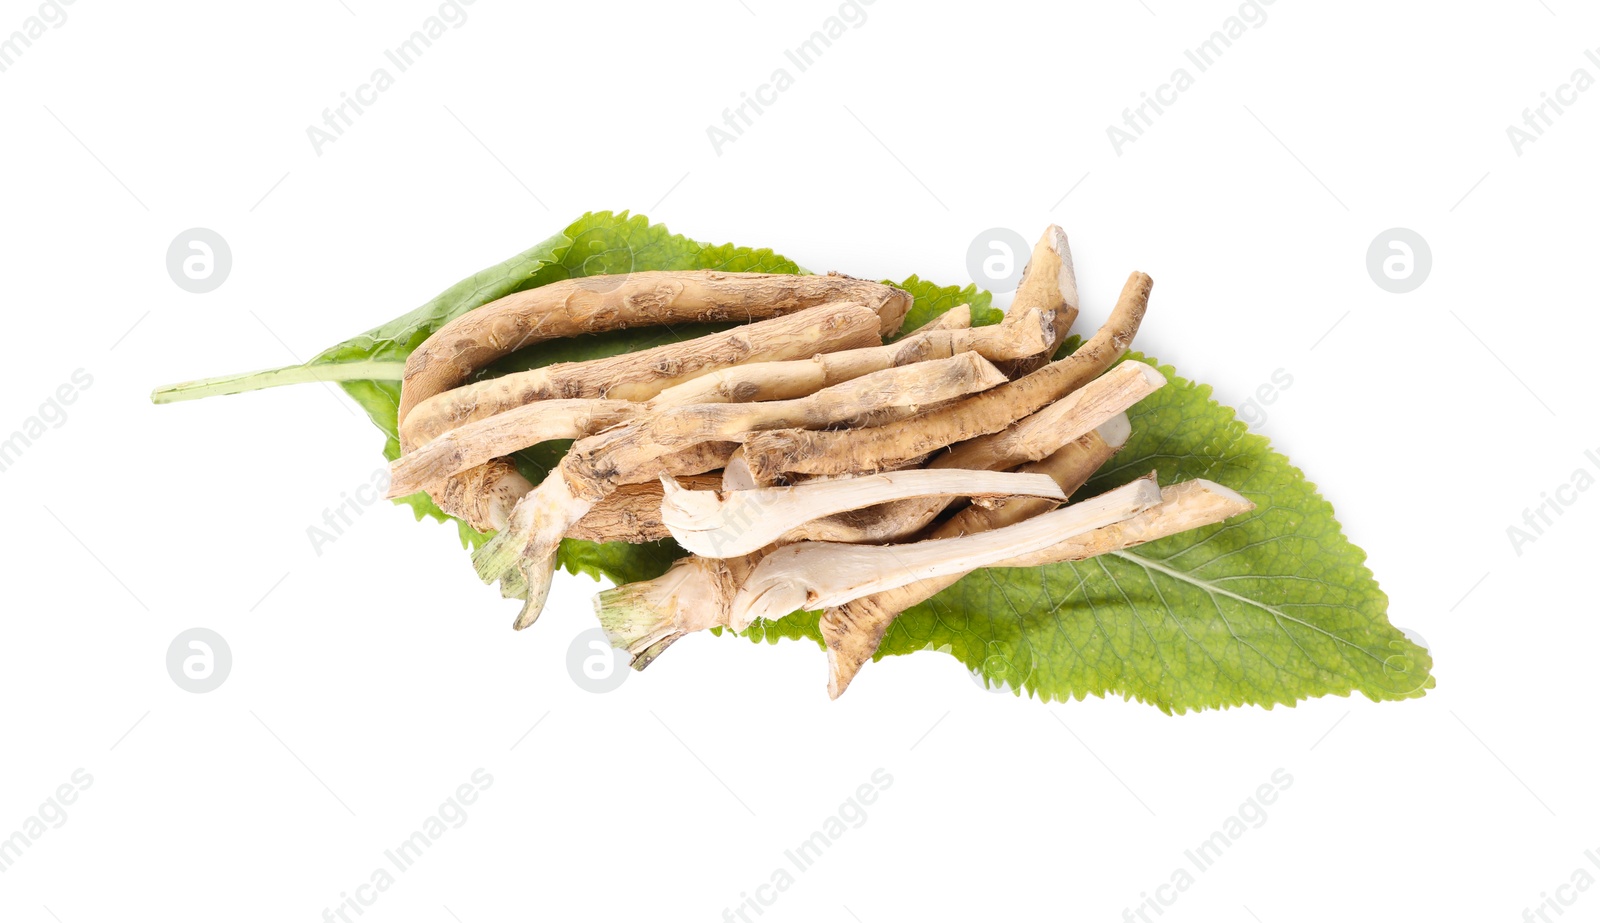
(853, 631)
(726, 524)
(1184, 506)
(815, 575)
(736, 474)
(1050, 287)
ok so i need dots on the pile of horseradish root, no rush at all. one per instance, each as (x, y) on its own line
(804, 463)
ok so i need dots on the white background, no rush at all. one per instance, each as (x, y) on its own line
(370, 681)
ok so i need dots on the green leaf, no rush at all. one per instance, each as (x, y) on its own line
(1267, 608)
(932, 300)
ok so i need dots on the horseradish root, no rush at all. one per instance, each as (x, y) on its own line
(816, 575)
(726, 524)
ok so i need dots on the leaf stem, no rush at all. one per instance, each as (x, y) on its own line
(371, 370)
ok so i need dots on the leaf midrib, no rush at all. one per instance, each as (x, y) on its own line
(1207, 586)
